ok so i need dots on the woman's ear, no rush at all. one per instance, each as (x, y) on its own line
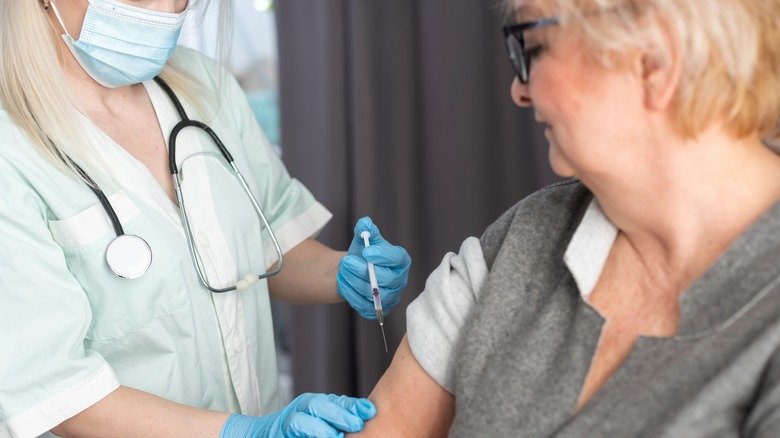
(660, 65)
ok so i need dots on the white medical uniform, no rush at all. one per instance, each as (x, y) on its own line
(71, 332)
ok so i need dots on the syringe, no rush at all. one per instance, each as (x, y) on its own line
(380, 316)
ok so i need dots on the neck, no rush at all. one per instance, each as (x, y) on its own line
(93, 98)
(689, 200)
(90, 95)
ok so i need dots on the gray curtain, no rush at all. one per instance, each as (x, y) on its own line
(399, 110)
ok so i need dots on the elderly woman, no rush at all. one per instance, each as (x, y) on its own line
(643, 297)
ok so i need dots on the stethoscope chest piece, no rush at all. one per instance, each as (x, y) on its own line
(129, 256)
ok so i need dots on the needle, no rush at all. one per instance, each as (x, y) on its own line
(380, 316)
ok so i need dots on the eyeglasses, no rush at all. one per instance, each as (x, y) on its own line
(515, 45)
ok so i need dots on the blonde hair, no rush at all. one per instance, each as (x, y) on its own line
(36, 97)
(730, 54)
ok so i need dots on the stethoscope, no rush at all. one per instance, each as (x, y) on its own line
(130, 256)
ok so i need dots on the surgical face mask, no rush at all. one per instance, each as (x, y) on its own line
(123, 45)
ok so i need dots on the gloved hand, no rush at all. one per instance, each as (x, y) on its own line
(309, 415)
(391, 264)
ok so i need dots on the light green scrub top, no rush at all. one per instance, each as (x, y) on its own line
(71, 331)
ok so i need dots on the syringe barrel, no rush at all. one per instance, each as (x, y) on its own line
(377, 299)
(372, 280)
(374, 287)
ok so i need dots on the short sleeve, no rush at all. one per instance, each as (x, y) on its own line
(436, 318)
(290, 207)
(46, 375)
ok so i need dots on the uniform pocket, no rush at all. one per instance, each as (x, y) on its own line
(92, 224)
(119, 306)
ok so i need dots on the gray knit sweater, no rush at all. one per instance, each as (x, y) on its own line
(526, 346)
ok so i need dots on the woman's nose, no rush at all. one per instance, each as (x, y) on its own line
(520, 95)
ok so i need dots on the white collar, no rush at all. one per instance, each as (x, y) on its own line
(589, 247)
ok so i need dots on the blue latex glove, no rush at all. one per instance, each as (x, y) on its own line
(391, 264)
(309, 415)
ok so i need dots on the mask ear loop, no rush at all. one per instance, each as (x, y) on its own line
(46, 4)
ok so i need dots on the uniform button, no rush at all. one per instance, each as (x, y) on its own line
(238, 345)
(203, 239)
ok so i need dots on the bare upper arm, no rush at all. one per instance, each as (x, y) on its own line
(408, 401)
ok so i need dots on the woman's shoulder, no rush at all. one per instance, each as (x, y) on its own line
(215, 83)
(197, 62)
(17, 153)
(22, 161)
(548, 210)
(13, 142)
(559, 195)
(560, 198)
(207, 71)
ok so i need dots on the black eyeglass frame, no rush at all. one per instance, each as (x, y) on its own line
(518, 56)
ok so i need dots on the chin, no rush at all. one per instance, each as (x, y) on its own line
(564, 172)
(558, 164)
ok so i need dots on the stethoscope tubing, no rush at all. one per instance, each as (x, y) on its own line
(112, 216)
(186, 122)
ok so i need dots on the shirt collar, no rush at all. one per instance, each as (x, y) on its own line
(589, 247)
(736, 282)
(738, 279)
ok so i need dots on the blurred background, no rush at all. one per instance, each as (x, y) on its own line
(399, 110)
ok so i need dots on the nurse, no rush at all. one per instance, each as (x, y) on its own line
(169, 334)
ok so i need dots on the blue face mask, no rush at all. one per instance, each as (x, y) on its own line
(123, 45)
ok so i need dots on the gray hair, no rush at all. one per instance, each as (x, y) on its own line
(730, 52)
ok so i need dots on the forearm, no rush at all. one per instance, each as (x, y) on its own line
(128, 412)
(308, 275)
